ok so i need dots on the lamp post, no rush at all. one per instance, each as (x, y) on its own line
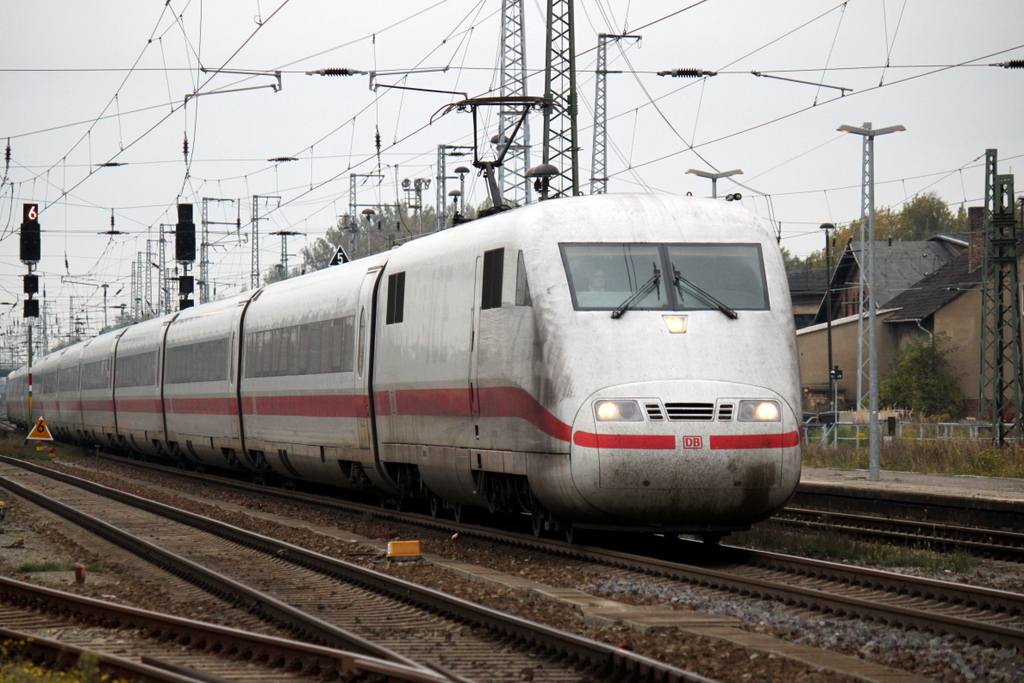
(827, 227)
(868, 186)
(714, 178)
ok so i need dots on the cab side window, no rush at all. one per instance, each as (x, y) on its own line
(494, 263)
(396, 298)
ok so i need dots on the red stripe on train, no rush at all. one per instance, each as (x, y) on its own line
(345, 405)
(220, 405)
(494, 402)
(745, 441)
(659, 442)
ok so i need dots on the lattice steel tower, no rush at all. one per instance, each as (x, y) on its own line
(561, 146)
(516, 188)
(1000, 386)
(599, 173)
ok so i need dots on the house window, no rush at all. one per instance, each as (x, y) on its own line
(396, 298)
(494, 261)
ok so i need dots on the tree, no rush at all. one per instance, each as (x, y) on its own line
(386, 226)
(922, 217)
(923, 380)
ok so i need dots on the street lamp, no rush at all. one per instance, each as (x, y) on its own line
(714, 178)
(868, 189)
(832, 370)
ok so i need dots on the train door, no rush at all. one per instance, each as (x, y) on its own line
(363, 346)
(474, 342)
(365, 323)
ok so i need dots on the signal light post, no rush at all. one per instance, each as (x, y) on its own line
(30, 252)
(185, 254)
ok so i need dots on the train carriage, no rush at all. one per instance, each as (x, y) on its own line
(44, 387)
(491, 381)
(67, 423)
(17, 397)
(138, 365)
(99, 425)
(200, 383)
(305, 376)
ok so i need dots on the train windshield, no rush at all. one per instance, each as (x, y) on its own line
(679, 277)
(731, 273)
(603, 276)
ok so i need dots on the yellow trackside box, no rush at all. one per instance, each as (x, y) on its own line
(404, 550)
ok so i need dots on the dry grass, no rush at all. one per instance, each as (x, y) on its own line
(15, 445)
(928, 457)
(837, 546)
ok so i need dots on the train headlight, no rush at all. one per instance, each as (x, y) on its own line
(760, 411)
(618, 411)
(676, 324)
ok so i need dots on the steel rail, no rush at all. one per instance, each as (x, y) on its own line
(248, 645)
(892, 583)
(61, 655)
(605, 660)
(991, 542)
(233, 591)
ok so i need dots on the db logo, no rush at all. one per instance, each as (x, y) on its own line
(693, 442)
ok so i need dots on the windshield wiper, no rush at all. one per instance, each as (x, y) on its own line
(639, 294)
(681, 282)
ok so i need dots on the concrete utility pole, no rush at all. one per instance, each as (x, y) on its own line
(561, 144)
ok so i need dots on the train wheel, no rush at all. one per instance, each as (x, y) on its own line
(711, 539)
(436, 506)
(571, 535)
(537, 518)
(462, 513)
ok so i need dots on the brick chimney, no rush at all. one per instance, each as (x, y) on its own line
(976, 244)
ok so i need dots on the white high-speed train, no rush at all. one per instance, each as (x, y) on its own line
(620, 361)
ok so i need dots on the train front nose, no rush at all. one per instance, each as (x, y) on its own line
(686, 453)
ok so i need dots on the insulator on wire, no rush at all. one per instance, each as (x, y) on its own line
(687, 73)
(335, 72)
(184, 147)
(1013, 64)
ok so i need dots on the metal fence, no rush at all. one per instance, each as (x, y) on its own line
(856, 434)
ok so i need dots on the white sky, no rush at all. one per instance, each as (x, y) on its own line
(89, 83)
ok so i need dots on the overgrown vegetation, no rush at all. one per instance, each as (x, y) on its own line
(927, 457)
(14, 668)
(13, 444)
(922, 379)
(824, 545)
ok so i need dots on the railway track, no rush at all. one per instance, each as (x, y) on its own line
(979, 615)
(358, 609)
(994, 543)
(143, 645)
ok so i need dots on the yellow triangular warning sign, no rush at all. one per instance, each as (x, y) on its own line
(41, 431)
